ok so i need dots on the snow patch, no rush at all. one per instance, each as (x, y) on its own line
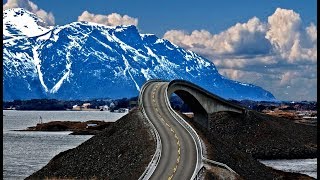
(127, 69)
(45, 36)
(64, 77)
(151, 53)
(169, 48)
(146, 74)
(102, 43)
(37, 63)
(159, 41)
(187, 69)
(19, 22)
(72, 44)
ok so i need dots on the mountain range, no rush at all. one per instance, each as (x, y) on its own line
(84, 60)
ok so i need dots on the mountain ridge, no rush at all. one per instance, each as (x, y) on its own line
(87, 60)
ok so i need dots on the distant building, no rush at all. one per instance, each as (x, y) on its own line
(91, 125)
(76, 107)
(112, 105)
(123, 110)
(85, 105)
(104, 108)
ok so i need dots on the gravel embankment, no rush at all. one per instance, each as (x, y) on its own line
(239, 140)
(122, 151)
(264, 136)
(125, 148)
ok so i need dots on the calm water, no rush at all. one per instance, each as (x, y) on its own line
(26, 152)
(303, 166)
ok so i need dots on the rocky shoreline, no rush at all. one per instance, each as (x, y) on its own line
(91, 127)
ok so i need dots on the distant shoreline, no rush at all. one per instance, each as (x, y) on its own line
(57, 110)
(91, 127)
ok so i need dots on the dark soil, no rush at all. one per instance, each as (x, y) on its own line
(124, 149)
(239, 141)
(121, 151)
(264, 136)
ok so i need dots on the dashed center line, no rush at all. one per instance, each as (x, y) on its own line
(171, 129)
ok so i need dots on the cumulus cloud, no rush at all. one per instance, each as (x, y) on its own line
(312, 33)
(233, 73)
(287, 77)
(32, 7)
(289, 39)
(274, 55)
(282, 35)
(240, 39)
(113, 19)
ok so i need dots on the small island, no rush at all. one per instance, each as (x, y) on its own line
(91, 127)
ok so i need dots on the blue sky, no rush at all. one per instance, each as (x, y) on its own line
(269, 43)
(160, 16)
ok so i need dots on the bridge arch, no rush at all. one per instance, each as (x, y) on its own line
(200, 101)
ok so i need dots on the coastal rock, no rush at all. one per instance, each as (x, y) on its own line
(91, 127)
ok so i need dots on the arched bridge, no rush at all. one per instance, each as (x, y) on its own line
(179, 151)
(201, 102)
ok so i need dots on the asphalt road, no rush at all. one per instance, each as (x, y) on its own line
(179, 156)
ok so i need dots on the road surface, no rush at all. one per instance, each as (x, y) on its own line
(179, 153)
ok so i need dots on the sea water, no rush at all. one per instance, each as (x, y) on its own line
(26, 152)
(303, 166)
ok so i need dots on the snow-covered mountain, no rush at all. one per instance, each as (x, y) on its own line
(84, 60)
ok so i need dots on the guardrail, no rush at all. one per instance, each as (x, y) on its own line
(192, 133)
(157, 155)
(198, 176)
(218, 164)
(204, 91)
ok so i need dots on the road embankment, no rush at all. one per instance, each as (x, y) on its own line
(239, 141)
(121, 151)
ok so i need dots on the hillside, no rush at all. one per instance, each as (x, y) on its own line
(122, 151)
(239, 140)
(125, 148)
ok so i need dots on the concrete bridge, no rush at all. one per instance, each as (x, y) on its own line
(179, 152)
(201, 102)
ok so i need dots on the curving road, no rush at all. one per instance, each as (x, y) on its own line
(179, 153)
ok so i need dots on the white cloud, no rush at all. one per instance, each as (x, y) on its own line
(32, 7)
(113, 19)
(287, 77)
(282, 36)
(284, 85)
(233, 74)
(312, 33)
(240, 39)
(289, 39)
(273, 54)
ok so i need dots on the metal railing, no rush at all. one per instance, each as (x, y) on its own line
(157, 155)
(192, 133)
